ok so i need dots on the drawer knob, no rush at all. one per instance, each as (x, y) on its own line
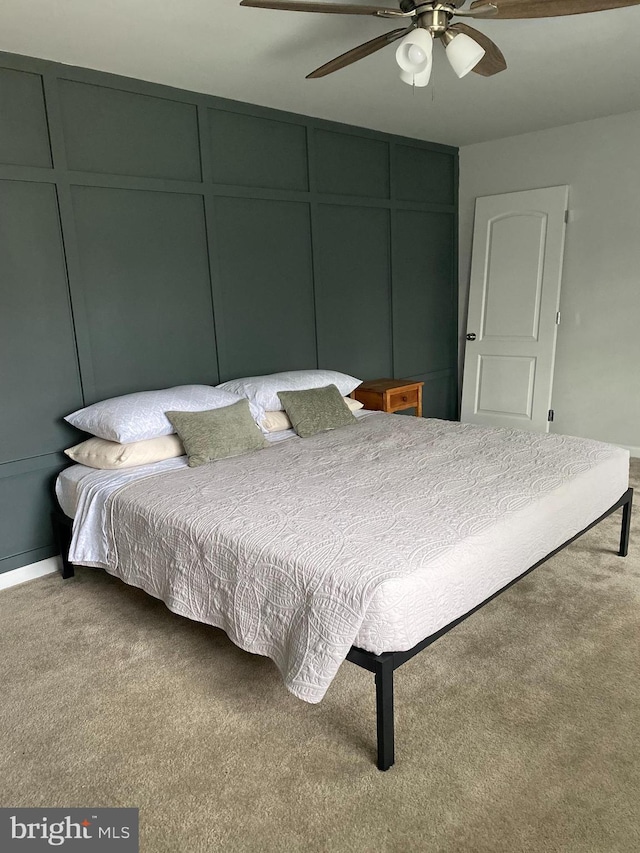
(404, 399)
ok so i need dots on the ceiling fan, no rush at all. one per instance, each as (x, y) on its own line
(467, 48)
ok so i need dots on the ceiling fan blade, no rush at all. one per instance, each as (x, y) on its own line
(482, 10)
(551, 8)
(359, 52)
(493, 62)
(326, 8)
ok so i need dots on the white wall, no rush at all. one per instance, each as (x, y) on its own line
(597, 379)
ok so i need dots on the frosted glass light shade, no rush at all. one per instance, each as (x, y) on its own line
(417, 80)
(464, 54)
(415, 56)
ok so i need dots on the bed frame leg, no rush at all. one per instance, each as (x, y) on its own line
(62, 537)
(384, 712)
(626, 525)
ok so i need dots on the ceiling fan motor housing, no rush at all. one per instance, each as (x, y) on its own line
(436, 21)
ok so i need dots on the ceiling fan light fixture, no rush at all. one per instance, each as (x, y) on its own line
(463, 53)
(415, 56)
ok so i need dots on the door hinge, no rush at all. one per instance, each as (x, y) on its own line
(551, 416)
(558, 318)
(567, 216)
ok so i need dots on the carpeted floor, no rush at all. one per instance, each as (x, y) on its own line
(518, 731)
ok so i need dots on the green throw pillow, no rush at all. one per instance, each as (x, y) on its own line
(217, 433)
(316, 410)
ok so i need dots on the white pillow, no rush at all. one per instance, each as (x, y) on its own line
(263, 390)
(354, 405)
(110, 455)
(279, 421)
(136, 417)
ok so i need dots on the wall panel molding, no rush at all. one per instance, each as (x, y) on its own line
(189, 238)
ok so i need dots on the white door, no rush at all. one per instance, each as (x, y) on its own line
(514, 299)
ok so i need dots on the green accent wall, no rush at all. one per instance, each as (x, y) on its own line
(152, 237)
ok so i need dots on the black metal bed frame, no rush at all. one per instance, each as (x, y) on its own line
(383, 666)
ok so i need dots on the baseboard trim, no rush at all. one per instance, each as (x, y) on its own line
(29, 573)
(634, 451)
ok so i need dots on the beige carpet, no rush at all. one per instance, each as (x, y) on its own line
(519, 731)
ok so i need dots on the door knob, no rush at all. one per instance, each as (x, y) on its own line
(471, 337)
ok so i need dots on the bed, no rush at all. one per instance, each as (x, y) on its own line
(365, 543)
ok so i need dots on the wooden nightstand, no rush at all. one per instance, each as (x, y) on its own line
(390, 395)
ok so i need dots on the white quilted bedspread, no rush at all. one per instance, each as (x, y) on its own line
(285, 548)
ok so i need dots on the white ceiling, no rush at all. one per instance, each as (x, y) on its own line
(561, 70)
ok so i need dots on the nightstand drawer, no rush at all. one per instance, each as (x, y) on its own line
(403, 399)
